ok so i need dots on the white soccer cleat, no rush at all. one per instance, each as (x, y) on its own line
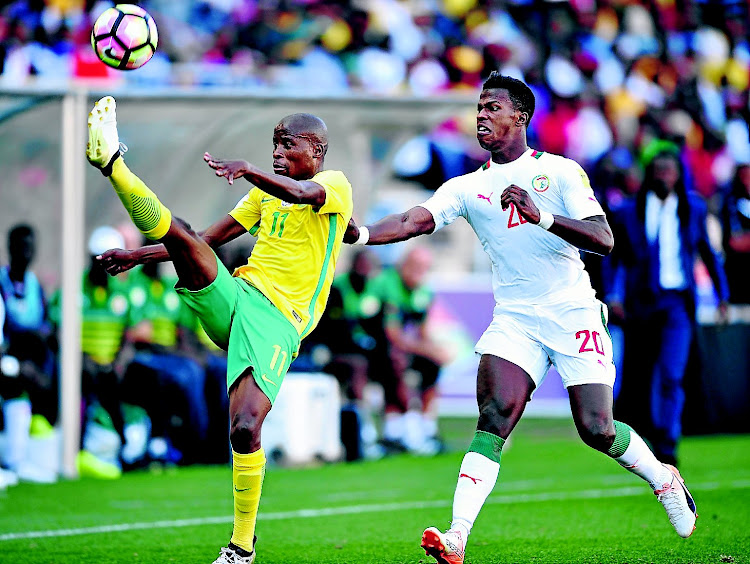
(229, 555)
(678, 503)
(446, 548)
(104, 144)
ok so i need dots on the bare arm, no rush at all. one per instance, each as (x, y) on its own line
(591, 234)
(277, 185)
(119, 260)
(395, 227)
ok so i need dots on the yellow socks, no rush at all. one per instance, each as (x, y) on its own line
(145, 209)
(247, 476)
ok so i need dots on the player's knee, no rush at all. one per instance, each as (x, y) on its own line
(245, 432)
(182, 223)
(182, 230)
(597, 431)
(496, 415)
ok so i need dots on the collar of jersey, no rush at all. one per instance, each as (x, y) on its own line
(491, 163)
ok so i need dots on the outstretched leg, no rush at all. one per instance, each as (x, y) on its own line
(193, 259)
(591, 405)
(503, 389)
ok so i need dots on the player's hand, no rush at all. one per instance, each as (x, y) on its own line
(524, 204)
(116, 261)
(228, 169)
(352, 233)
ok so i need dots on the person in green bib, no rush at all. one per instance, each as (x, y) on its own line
(164, 364)
(355, 350)
(106, 315)
(406, 303)
(359, 339)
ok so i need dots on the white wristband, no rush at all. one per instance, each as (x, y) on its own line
(546, 220)
(364, 236)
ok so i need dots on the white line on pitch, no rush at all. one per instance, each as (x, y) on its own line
(355, 509)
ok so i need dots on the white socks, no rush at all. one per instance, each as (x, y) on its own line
(429, 426)
(17, 417)
(639, 460)
(393, 427)
(476, 479)
(411, 429)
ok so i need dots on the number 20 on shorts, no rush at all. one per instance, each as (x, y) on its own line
(588, 338)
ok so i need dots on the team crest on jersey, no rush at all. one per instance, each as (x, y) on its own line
(540, 183)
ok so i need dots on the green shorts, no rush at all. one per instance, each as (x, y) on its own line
(241, 320)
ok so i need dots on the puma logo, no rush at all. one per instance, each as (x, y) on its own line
(483, 197)
(475, 480)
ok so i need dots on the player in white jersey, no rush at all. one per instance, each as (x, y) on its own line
(532, 212)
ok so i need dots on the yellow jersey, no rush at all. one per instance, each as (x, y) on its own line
(294, 259)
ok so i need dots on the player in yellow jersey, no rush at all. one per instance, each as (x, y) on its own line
(259, 315)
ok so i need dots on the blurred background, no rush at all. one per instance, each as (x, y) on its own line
(397, 84)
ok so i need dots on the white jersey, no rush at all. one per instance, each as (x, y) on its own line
(529, 265)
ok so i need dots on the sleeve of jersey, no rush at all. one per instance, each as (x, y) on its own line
(247, 210)
(577, 193)
(338, 192)
(446, 205)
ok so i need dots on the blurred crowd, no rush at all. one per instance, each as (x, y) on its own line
(607, 74)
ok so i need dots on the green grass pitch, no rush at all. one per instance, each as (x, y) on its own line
(556, 501)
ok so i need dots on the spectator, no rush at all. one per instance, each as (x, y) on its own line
(164, 377)
(30, 389)
(406, 303)
(736, 233)
(350, 343)
(659, 236)
(106, 315)
(27, 327)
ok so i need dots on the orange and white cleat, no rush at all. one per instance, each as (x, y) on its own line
(678, 503)
(446, 548)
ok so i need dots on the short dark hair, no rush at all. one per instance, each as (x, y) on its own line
(518, 92)
(19, 231)
(308, 126)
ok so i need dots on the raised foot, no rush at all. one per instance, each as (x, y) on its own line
(103, 145)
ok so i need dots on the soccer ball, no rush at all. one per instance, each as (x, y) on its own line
(124, 37)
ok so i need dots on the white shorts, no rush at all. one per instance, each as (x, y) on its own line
(573, 336)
